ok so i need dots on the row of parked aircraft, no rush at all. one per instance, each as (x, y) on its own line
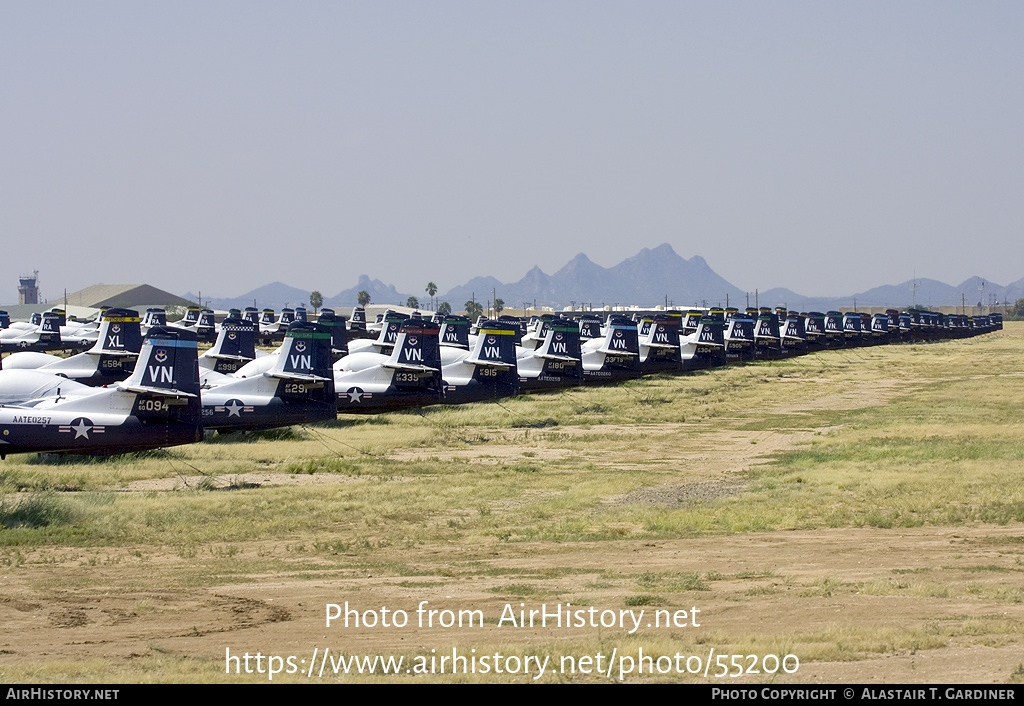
(140, 383)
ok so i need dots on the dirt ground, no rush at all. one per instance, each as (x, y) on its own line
(923, 605)
(99, 609)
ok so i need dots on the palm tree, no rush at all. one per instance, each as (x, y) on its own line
(499, 305)
(444, 308)
(431, 291)
(412, 303)
(363, 297)
(316, 300)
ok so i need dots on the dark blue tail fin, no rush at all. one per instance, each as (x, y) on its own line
(417, 347)
(495, 345)
(235, 346)
(120, 332)
(306, 351)
(358, 320)
(339, 334)
(621, 337)
(155, 317)
(166, 383)
(191, 316)
(562, 341)
(168, 364)
(304, 370)
(455, 332)
(590, 327)
(389, 329)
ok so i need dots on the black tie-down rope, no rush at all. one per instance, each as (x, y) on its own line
(320, 436)
(178, 473)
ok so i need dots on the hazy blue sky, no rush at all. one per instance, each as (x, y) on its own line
(826, 147)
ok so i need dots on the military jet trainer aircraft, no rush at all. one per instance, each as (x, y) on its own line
(200, 322)
(739, 337)
(235, 346)
(455, 332)
(486, 372)
(409, 377)
(157, 406)
(293, 387)
(339, 333)
(705, 347)
(556, 362)
(793, 334)
(614, 357)
(387, 333)
(111, 358)
(659, 348)
(43, 337)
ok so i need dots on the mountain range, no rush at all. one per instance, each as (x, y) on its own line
(651, 277)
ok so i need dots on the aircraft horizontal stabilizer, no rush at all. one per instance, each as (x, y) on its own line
(297, 377)
(407, 367)
(161, 391)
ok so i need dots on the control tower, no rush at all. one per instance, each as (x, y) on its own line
(28, 289)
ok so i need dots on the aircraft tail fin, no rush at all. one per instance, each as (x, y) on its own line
(166, 383)
(49, 328)
(664, 331)
(455, 332)
(794, 328)
(304, 368)
(155, 317)
(120, 332)
(417, 348)
(621, 337)
(235, 346)
(495, 345)
(306, 353)
(390, 325)
(168, 365)
(711, 332)
(590, 327)
(339, 334)
(562, 342)
(358, 320)
(191, 316)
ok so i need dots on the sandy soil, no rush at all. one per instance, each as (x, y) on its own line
(83, 610)
(930, 596)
